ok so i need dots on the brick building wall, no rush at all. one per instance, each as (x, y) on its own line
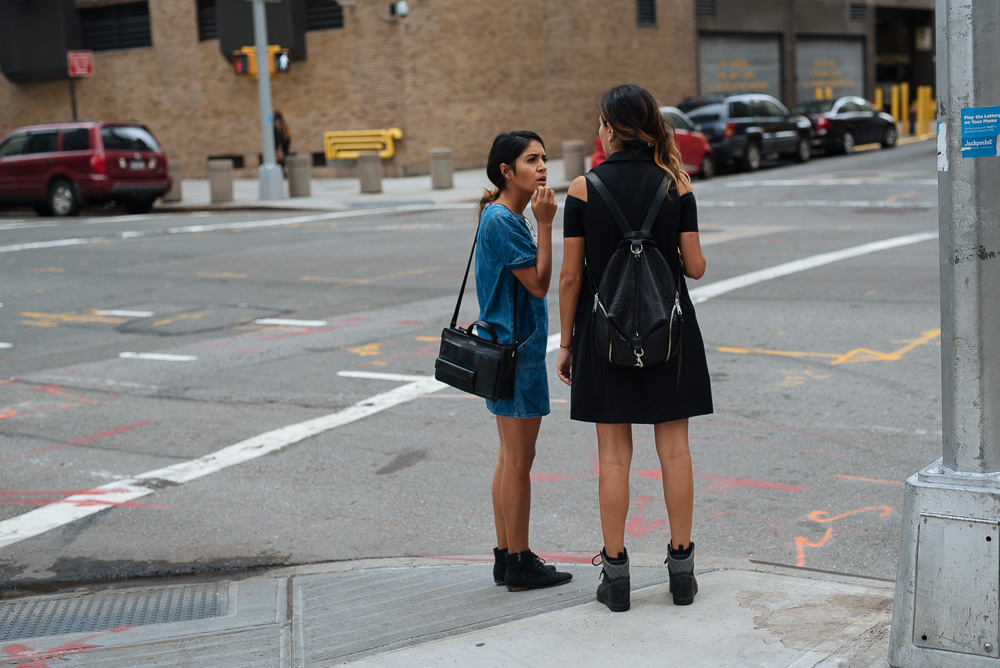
(452, 74)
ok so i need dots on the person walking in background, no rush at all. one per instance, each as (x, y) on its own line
(513, 271)
(282, 138)
(640, 151)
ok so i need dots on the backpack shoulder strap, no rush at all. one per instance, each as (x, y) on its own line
(605, 194)
(654, 208)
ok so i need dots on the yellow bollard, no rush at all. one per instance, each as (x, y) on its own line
(904, 107)
(925, 100)
(819, 93)
(878, 99)
(894, 102)
(829, 93)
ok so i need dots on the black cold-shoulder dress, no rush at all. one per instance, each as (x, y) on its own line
(601, 391)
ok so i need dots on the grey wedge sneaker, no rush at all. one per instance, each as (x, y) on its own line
(615, 590)
(680, 565)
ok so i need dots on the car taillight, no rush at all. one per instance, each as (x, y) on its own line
(729, 130)
(822, 123)
(99, 163)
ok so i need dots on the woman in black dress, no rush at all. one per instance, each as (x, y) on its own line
(641, 149)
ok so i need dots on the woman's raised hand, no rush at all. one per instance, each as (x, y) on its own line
(543, 205)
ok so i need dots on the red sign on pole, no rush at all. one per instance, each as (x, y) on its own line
(81, 63)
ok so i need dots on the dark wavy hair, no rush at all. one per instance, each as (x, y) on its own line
(507, 148)
(634, 114)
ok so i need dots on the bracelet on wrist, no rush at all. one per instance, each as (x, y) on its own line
(566, 347)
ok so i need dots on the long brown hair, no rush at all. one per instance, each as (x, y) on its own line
(507, 148)
(634, 114)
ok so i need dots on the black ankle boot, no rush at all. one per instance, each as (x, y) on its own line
(680, 565)
(500, 565)
(526, 570)
(615, 589)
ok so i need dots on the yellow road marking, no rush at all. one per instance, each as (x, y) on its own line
(43, 270)
(224, 274)
(851, 477)
(428, 339)
(183, 316)
(54, 319)
(365, 281)
(367, 350)
(850, 357)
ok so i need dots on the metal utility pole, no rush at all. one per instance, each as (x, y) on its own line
(271, 180)
(947, 606)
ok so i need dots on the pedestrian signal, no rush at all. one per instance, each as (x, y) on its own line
(241, 64)
(281, 62)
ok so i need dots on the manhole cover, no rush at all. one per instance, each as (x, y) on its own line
(107, 610)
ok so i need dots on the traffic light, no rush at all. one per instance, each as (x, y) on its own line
(245, 61)
(241, 63)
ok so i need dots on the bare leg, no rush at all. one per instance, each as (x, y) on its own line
(614, 448)
(501, 527)
(678, 478)
(517, 453)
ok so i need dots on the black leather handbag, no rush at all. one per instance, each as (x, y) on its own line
(473, 363)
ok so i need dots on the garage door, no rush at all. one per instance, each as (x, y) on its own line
(825, 63)
(740, 64)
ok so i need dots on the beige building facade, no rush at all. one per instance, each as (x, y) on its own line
(451, 74)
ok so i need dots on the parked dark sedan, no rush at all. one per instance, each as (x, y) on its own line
(839, 125)
(742, 129)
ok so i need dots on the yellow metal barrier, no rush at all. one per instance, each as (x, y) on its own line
(349, 144)
(879, 99)
(926, 110)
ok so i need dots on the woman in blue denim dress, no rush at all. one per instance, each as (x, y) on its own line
(513, 270)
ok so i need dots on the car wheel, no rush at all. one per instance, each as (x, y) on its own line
(751, 157)
(64, 200)
(803, 151)
(139, 205)
(847, 143)
(707, 170)
(889, 138)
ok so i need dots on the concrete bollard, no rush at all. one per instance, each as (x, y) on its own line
(572, 159)
(174, 194)
(370, 172)
(298, 168)
(442, 169)
(220, 180)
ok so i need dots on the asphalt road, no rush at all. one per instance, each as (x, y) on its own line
(156, 419)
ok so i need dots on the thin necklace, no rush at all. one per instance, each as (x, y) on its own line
(527, 222)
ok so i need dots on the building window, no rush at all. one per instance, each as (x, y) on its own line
(324, 15)
(116, 27)
(706, 6)
(646, 12)
(208, 23)
(859, 11)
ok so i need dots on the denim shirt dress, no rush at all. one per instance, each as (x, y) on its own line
(504, 244)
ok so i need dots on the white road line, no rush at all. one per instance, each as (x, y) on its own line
(78, 506)
(158, 357)
(245, 225)
(824, 204)
(127, 314)
(705, 292)
(831, 182)
(6, 345)
(290, 323)
(376, 375)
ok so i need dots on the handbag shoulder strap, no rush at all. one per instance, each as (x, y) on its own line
(616, 212)
(465, 280)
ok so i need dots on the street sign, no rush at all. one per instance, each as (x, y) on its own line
(81, 63)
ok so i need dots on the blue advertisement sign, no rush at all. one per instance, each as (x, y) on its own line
(980, 132)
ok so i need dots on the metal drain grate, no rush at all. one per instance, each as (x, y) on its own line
(108, 610)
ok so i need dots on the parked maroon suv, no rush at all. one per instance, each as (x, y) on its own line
(58, 167)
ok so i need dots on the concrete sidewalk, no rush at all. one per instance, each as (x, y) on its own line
(447, 611)
(341, 194)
